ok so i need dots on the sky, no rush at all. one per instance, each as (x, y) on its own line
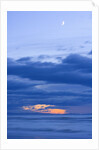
(49, 66)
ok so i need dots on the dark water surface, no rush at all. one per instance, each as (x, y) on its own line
(26, 126)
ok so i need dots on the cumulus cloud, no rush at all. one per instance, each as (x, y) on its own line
(67, 83)
(74, 69)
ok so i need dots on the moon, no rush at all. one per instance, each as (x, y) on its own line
(63, 23)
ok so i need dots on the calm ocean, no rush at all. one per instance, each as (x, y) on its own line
(45, 126)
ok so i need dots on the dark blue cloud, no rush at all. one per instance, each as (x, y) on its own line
(16, 84)
(24, 97)
(90, 53)
(25, 59)
(75, 69)
(24, 75)
(77, 62)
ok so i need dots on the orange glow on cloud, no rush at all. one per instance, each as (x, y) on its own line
(43, 108)
(57, 111)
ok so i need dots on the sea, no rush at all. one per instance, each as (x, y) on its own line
(49, 126)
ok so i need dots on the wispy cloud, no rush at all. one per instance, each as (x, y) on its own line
(43, 108)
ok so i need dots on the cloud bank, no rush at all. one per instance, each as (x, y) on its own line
(68, 83)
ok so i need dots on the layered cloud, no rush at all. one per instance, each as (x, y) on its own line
(74, 69)
(65, 84)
